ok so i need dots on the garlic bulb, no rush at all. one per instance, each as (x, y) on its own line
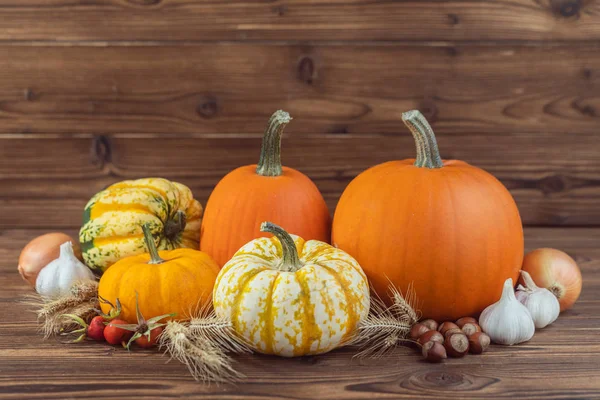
(507, 321)
(541, 303)
(56, 278)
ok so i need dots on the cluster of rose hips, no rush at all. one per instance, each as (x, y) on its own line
(109, 328)
(454, 339)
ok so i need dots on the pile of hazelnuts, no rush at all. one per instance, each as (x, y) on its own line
(454, 339)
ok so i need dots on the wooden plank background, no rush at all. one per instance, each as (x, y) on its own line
(319, 20)
(95, 92)
(193, 112)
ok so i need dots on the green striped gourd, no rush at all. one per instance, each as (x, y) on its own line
(113, 219)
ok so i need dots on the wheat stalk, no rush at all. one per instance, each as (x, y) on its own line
(386, 327)
(81, 301)
(202, 345)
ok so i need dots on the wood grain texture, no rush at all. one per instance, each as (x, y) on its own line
(381, 20)
(233, 88)
(549, 366)
(45, 180)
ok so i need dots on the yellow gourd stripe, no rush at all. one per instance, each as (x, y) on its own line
(101, 208)
(266, 333)
(356, 267)
(242, 288)
(236, 264)
(123, 185)
(349, 297)
(102, 241)
(311, 331)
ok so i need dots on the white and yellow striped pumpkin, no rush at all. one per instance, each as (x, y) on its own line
(113, 219)
(289, 297)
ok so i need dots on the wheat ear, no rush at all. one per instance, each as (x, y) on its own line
(202, 345)
(386, 327)
(81, 301)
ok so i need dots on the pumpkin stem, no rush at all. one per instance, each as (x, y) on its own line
(428, 155)
(149, 239)
(269, 163)
(291, 261)
(176, 225)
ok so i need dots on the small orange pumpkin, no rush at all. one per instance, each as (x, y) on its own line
(249, 195)
(170, 281)
(451, 230)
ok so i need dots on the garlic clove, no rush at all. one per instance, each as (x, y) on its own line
(542, 304)
(59, 275)
(507, 321)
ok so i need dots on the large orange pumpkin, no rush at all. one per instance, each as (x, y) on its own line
(249, 195)
(450, 229)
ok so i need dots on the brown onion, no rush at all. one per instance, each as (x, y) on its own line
(556, 271)
(40, 251)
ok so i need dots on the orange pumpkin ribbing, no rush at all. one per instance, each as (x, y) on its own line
(180, 283)
(251, 194)
(233, 216)
(452, 230)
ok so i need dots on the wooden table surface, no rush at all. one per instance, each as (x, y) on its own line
(561, 361)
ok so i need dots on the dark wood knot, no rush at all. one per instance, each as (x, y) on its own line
(567, 8)
(553, 184)
(584, 109)
(454, 19)
(208, 108)
(306, 70)
(339, 129)
(443, 380)
(28, 94)
(280, 10)
(452, 51)
(101, 151)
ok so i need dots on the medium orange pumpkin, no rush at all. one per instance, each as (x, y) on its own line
(450, 229)
(266, 191)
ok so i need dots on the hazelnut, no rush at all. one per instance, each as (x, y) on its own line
(470, 328)
(457, 345)
(478, 342)
(431, 336)
(452, 331)
(434, 352)
(431, 324)
(446, 326)
(465, 320)
(417, 330)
